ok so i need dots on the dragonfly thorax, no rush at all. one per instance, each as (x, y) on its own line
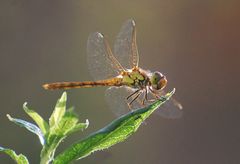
(135, 78)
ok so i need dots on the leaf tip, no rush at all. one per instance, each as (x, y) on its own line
(9, 117)
(87, 123)
(169, 94)
(64, 96)
(25, 106)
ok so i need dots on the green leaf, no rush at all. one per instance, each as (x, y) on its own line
(20, 159)
(68, 124)
(117, 131)
(59, 111)
(64, 123)
(42, 124)
(79, 126)
(29, 126)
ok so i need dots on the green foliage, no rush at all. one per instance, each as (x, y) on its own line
(29, 126)
(42, 124)
(64, 122)
(20, 159)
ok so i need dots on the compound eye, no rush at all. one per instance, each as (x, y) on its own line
(162, 83)
(158, 80)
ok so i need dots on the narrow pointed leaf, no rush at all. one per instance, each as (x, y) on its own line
(59, 110)
(42, 124)
(66, 124)
(117, 131)
(29, 126)
(79, 126)
(20, 159)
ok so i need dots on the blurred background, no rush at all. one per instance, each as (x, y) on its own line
(195, 43)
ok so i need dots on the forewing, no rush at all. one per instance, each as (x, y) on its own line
(99, 64)
(125, 47)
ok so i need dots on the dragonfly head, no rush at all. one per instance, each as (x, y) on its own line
(158, 81)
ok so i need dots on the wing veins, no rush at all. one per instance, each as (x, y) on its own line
(114, 62)
(134, 49)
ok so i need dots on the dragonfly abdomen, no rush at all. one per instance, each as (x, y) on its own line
(84, 84)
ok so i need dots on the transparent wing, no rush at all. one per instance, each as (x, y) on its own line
(125, 47)
(116, 99)
(101, 62)
(170, 110)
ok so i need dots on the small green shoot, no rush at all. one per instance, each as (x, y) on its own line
(62, 123)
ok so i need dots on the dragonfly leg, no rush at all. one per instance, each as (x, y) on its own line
(134, 98)
(156, 94)
(142, 102)
(152, 93)
(129, 106)
(144, 97)
(133, 94)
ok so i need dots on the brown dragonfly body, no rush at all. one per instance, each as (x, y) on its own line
(134, 78)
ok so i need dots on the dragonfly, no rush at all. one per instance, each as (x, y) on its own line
(129, 86)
